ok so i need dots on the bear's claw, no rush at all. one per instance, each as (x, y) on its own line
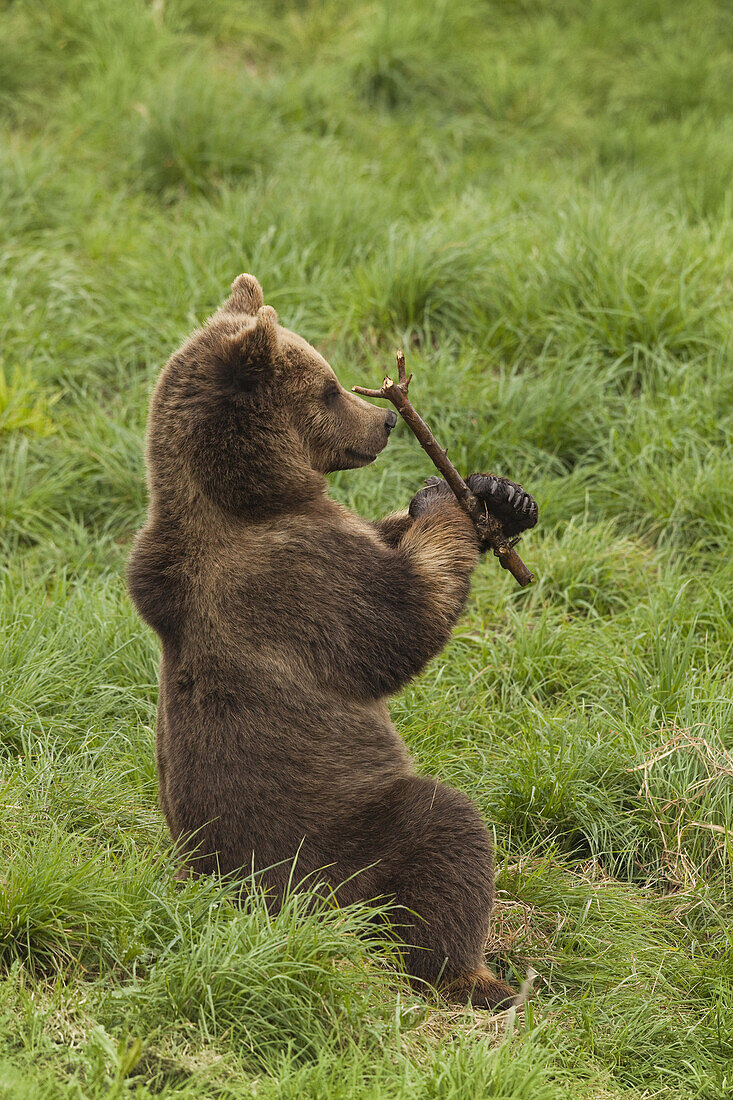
(515, 509)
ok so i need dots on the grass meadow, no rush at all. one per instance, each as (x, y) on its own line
(535, 198)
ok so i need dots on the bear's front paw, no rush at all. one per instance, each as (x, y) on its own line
(435, 492)
(516, 510)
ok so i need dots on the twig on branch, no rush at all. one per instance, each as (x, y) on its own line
(489, 528)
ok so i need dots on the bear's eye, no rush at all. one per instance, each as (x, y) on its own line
(330, 394)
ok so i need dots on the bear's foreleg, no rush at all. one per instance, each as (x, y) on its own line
(393, 527)
(441, 546)
(401, 601)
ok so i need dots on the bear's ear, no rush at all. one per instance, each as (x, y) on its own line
(252, 351)
(246, 296)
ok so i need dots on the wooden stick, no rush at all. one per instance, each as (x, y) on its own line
(488, 527)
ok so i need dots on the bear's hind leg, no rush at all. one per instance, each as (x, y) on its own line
(435, 858)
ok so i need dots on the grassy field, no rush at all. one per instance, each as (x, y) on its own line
(535, 197)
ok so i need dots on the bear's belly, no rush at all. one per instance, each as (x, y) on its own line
(273, 762)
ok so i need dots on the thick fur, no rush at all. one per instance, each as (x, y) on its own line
(285, 622)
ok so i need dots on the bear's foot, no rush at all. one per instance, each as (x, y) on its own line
(482, 990)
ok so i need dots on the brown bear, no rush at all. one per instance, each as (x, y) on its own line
(286, 621)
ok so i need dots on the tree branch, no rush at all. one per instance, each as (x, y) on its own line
(489, 528)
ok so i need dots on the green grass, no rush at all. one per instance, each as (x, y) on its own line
(535, 199)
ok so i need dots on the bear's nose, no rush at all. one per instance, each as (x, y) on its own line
(390, 421)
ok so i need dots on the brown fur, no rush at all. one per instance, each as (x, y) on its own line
(285, 622)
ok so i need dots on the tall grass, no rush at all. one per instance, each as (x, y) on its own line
(534, 199)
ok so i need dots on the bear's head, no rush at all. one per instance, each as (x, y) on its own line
(251, 415)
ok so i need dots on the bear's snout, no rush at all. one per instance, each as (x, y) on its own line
(390, 421)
